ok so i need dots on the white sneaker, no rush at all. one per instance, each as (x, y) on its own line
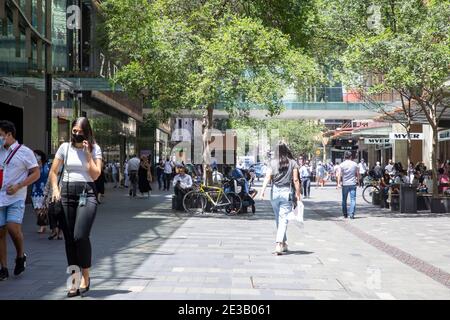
(279, 249)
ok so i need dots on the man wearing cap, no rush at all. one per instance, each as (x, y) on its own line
(182, 184)
(349, 172)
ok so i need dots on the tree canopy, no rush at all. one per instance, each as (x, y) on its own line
(199, 54)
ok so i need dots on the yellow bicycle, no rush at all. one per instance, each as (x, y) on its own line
(208, 198)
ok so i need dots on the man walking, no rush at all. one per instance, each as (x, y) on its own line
(390, 167)
(305, 176)
(18, 169)
(168, 169)
(133, 167)
(362, 171)
(349, 173)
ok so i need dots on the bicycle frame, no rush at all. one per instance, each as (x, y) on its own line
(219, 197)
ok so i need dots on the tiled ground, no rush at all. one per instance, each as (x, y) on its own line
(142, 250)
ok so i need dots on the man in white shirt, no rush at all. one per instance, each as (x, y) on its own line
(18, 169)
(305, 177)
(390, 167)
(182, 184)
(362, 171)
(115, 174)
(217, 177)
(349, 172)
(125, 173)
(168, 169)
(133, 167)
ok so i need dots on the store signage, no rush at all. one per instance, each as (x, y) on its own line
(444, 135)
(346, 147)
(404, 136)
(377, 141)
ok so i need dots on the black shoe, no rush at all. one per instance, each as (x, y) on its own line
(72, 294)
(84, 290)
(53, 236)
(352, 217)
(21, 263)
(345, 216)
(4, 274)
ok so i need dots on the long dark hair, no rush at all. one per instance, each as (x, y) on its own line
(84, 124)
(284, 156)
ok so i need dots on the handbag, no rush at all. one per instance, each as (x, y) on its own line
(55, 207)
(297, 214)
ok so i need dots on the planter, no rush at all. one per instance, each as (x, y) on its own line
(423, 202)
(383, 200)
(440, 205)
(395, 202)
(376, 198)
(408, 199)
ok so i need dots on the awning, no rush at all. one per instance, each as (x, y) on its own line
(373, 132)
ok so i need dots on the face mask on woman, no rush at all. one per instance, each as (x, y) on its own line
(78, 138)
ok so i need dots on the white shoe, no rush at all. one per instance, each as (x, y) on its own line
(279, 249)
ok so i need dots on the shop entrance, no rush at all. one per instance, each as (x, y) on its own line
(15, 115)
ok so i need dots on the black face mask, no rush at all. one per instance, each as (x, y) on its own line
(78, 138)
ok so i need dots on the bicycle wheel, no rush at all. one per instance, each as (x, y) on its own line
(368, 192)
(235, 203)
(194, 202)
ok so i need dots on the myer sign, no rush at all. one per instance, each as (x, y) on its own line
(444, 135)
(404, 136)
(377, 141)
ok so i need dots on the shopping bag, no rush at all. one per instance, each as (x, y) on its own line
(296, 215)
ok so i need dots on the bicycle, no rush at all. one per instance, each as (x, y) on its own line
(196, 201)
(371, 186)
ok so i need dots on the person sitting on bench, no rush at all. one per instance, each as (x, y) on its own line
(182, 184)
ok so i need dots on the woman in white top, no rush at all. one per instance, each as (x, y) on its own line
(82, 159)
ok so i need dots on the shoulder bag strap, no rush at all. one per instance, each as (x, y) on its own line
(64, 164)
(11, 154)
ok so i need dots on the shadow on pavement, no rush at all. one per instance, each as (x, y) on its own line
(297, 252)
(104, 293)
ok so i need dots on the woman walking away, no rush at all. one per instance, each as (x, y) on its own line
(284, 174)
(37, 192)
(82, 159)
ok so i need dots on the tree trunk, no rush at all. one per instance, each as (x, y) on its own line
(206, 151)
(433, 162)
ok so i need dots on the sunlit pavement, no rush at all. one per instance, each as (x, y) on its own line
(143, 250)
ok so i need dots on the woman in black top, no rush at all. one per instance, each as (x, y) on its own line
(144, 185)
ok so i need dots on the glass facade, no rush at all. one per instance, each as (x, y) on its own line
(14, 58)
(59, 36)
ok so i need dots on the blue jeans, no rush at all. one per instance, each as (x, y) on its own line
(306, 186)
(345, 191)
(12, 213)
(281, 207)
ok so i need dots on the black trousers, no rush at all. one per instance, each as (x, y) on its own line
(179, 194)
(77, 222)
(167, 178)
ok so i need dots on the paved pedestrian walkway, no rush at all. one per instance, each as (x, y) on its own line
(143, 250)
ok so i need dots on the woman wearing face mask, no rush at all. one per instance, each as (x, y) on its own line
(37, 193)
(83, 162)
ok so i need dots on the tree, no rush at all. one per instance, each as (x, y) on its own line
(300, 135)
(412, 54)
(199, 54)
